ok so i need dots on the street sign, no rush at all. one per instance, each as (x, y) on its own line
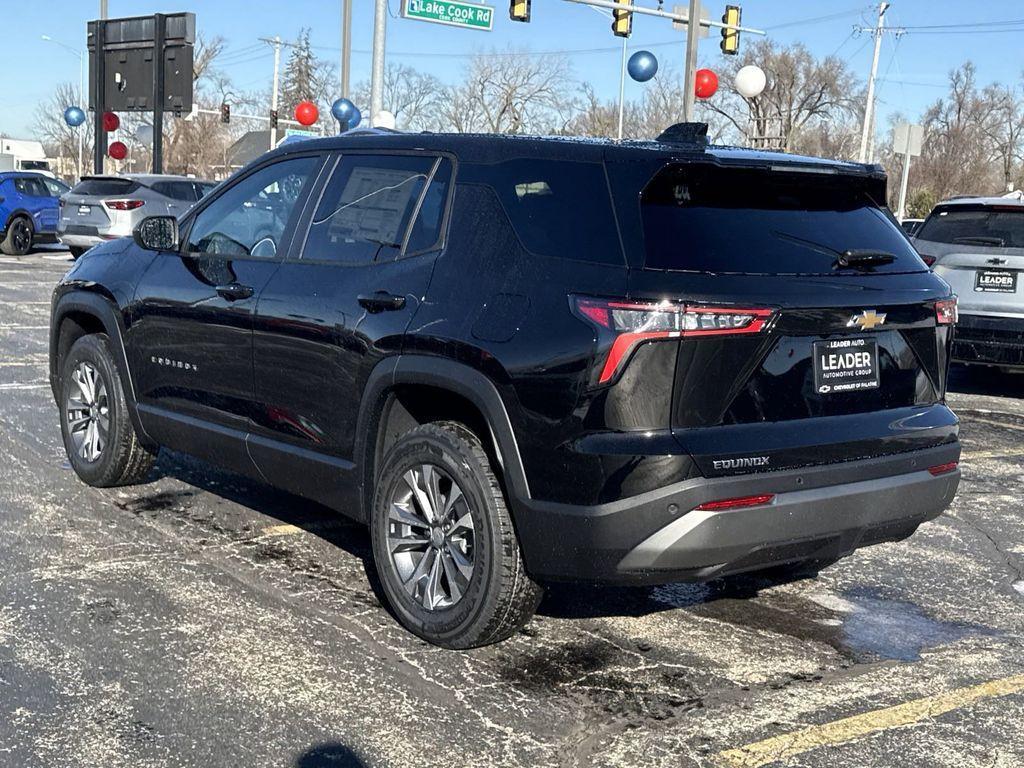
(453, 13)
(682, 10)
(907, 139)
(300, 132)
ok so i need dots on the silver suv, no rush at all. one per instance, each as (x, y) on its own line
(977, 245)
(102, 208)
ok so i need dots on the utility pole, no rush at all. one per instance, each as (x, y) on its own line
(380, 20)
(866, 147)
(346, 46)
(690, 70)
(103, 9)
(276, 42)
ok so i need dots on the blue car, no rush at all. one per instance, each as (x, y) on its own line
(29, 210)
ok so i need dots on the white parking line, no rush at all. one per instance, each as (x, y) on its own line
(23, 386)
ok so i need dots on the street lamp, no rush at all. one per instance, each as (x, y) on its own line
(81, 91)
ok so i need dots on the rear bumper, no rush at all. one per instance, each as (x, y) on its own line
(822, 512)
(987, 340)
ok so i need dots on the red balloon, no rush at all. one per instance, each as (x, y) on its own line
(118, 150)
(706, 83)
(111, 122)
(307, 113)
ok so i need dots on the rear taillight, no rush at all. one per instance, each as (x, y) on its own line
(944, 469)
(946, 311)
(738, 503)
(124, 205)
(633, 323)
(929, 260)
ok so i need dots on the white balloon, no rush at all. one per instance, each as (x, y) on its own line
(144, 133)
(384, 119)
(750, 81)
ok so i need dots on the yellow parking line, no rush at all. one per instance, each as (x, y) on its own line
(850, 728)
(284, 529)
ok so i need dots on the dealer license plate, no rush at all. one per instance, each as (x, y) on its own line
(845, 365)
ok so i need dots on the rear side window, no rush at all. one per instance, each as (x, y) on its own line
(103, 187)
(176, 190)
(366, 208)
(754, 221)
(557, 207)
(31, 187)
(992, 226)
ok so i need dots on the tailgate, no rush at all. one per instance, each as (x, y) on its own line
(83, 210)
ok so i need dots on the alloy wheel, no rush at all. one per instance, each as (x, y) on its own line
(21, 235)
(431, 537)
(88, 412)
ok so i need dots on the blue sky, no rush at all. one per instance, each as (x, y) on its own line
(914, 67)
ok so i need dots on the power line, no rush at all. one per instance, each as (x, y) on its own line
(817, 19)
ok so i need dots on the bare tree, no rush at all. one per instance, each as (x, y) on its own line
(60, 139)
(807, 100)
(412, 96)
(1004, 128)
(514, 92)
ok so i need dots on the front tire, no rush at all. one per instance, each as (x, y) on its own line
(443, 542)
(18, 240)
(101, 443)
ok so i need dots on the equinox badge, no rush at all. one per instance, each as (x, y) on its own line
(866, 320)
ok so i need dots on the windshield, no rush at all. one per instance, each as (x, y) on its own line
(989, 226)
(755, 221)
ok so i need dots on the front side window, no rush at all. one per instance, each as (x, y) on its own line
(365, 209)
(31, 187)
(56, 188)
(250, 217)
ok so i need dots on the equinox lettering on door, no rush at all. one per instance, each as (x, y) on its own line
(166, 361)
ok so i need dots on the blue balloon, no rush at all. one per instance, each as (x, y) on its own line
(643, 65)
(74, 116)
(346, 113)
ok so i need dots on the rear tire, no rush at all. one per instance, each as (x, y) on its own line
(18, 240)
(454, 577)
(101, 443)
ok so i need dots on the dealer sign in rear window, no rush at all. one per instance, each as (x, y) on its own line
(995, 281)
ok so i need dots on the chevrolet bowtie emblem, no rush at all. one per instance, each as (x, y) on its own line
(866, 320)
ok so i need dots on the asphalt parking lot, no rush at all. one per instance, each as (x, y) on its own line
(206, 620)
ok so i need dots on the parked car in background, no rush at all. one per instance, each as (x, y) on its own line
(29, 208)
(910, 226)
(977, 245)
(102, 208)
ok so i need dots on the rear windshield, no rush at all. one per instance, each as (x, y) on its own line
(105, 187)
(754, 221)
(975, 225)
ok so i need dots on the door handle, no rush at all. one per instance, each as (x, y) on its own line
(381, 301)
(234, 291)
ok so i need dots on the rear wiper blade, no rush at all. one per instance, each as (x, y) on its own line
(859, 258)
(998, 242)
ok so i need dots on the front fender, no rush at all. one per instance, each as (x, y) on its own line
(88, 299)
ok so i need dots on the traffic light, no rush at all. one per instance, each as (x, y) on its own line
(519, 10)
(731, 37)
(273, 118)
(225, 112)
(622, 23)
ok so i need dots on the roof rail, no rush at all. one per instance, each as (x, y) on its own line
(685, 133)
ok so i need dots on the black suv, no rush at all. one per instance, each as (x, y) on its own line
(522, 360)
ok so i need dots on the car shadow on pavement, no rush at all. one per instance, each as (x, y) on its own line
(580, 601)
(975, 380)
(329, 755)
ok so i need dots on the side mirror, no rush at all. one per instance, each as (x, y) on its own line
(157, 233)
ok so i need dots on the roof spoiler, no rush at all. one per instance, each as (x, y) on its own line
(694, 134)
